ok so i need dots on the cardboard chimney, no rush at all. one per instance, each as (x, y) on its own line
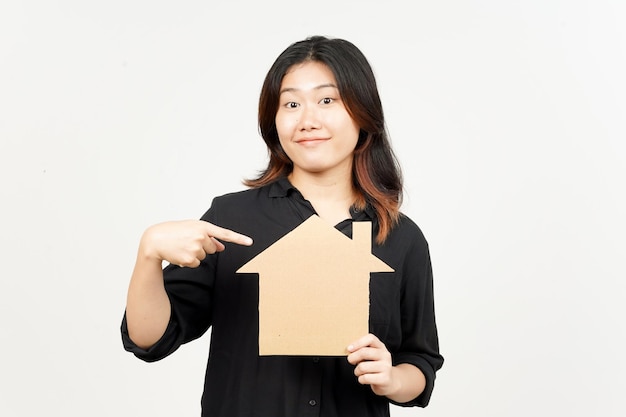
(314, 289)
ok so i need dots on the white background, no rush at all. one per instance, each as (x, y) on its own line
(508, 118)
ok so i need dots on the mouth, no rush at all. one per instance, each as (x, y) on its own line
(310, 141)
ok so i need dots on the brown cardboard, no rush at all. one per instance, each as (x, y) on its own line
(314, 289)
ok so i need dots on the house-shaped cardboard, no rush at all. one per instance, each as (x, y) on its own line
(314, 289)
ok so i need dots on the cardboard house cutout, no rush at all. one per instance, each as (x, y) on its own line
(314, 289)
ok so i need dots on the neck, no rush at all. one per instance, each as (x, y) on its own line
(322, 187)
(331, 195)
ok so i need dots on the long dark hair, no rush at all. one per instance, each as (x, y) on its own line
(376, 174)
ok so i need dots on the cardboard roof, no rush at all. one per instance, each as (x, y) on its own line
(314, 289)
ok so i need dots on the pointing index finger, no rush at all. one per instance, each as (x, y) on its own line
(228, 235)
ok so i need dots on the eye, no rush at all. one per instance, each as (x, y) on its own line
(291, 105)
(326, 100)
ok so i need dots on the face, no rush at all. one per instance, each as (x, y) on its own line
(314, 127)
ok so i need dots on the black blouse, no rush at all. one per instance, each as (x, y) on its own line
(241, 383)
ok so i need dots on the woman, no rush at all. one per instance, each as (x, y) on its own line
(321, 118)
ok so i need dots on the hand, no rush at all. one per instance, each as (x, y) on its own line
(187, 242)
(373, 365)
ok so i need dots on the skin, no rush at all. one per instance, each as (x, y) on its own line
(373, 367)
(183, 243)
(319, 136)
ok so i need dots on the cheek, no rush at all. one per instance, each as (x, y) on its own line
(352, 131)
(284, 135)
(346, 125)
(284, 126)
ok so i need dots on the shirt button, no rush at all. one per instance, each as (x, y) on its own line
(312, 403)
(316, 360)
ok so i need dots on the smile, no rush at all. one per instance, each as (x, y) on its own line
(311, 141)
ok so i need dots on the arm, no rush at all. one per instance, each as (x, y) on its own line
(401, 383)
(411, 335)
(147, 304)
(184, 243)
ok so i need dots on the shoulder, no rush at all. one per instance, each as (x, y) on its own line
(236, 197)
(237, 201)
(407, 238)
(408, 229)
(259, 196)
(236, 206)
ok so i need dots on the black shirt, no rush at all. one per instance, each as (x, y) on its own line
(239, 382)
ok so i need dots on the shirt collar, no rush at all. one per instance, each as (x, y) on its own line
(282, 187)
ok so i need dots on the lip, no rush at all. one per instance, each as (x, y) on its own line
(310, 141)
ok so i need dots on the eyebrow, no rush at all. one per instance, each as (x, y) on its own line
(319, 87)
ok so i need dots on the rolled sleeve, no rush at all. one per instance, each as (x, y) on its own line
(167, 344)
(424, 365)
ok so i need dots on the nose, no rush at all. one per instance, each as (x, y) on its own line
(309, 118)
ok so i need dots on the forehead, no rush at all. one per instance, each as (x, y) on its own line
(308, 75)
